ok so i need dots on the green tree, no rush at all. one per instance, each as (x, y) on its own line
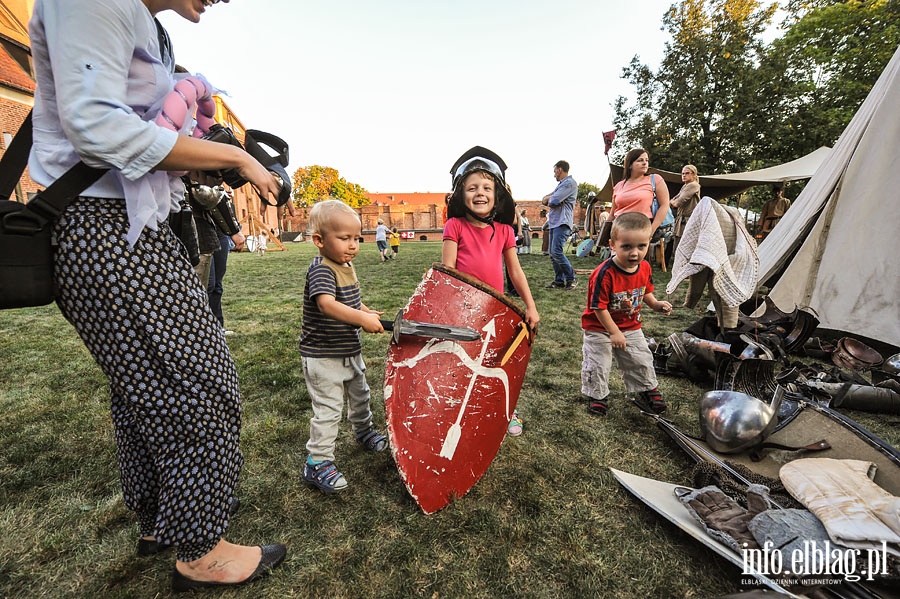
(583, 190)
(693, 108)
(316, 183)
(819, 72)
(724, 101)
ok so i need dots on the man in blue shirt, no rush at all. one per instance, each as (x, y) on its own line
(561, 205)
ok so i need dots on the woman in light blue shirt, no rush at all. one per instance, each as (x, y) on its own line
(103, 68)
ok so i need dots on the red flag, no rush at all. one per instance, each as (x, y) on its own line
(608, 137)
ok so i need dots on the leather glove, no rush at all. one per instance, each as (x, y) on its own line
(722, 513)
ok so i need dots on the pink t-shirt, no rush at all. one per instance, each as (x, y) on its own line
(633, 196)
(476, 253)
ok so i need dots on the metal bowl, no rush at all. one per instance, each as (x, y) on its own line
(855, 355)
(733, 422)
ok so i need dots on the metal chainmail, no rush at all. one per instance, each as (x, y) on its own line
(705, 474)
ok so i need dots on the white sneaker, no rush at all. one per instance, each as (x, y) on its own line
(227, 332)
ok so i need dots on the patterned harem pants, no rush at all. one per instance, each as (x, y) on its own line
(176, 412)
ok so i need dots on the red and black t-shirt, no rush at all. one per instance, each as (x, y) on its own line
(622, 293)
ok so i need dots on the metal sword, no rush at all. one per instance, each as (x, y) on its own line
(400, 326)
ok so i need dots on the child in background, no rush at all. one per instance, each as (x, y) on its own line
(395, 242)
(612, 319)
(381, 235)
(261, 244)
(478, 236)
(333, 366)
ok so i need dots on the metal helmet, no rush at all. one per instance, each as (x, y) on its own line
(480, 159)
(732, 422)
(479, 163)
(892, 365)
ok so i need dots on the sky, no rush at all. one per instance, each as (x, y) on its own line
(391, 92)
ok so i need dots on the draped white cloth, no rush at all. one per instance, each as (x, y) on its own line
(703, 245)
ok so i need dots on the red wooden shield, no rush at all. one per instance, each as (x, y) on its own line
(448, 403)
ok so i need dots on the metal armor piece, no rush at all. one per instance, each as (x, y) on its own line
(889, 373)
(793, 328)
(858, 397)
(217, 202)
(892, 365)
(753, 377)
(182, 223)
(685, 344)
(206, 197)
(814, 347)
(223, 215)
(733, 422)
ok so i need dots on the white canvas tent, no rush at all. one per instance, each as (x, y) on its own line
(724, 186)
(839, 244)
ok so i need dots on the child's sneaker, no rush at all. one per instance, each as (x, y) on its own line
(651, 401)
(597, 406)
(324, 476)
(515, 425)
(371, 440)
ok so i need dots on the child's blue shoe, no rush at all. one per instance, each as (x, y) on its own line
(371, 440)
(324, 476)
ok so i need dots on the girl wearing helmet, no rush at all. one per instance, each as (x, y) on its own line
(479, 238)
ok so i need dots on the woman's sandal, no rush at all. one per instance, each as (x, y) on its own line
(372, 440)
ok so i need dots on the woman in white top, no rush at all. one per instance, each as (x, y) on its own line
(103, 68)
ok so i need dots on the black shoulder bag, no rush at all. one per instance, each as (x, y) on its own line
(26, 257)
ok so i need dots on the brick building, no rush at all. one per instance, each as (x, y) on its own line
(419, 214)
(17, 97)
(246, 200)
(16, 80)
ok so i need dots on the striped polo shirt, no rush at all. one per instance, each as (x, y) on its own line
(321, 336)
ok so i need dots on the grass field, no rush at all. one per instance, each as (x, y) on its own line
(547, 520)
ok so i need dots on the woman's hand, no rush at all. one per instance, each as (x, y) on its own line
(266, 183)
(191, 154)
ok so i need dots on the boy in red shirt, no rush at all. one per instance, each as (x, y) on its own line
(612, 319)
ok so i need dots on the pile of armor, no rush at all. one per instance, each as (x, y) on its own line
(770, 420)
(756, 357)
